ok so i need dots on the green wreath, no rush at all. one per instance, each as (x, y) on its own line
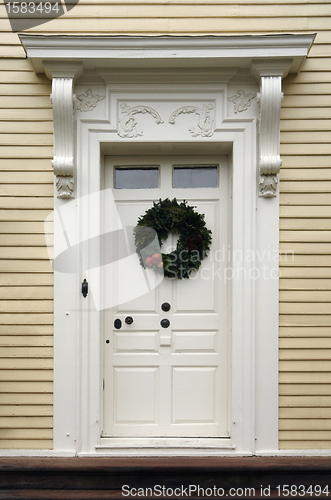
(194, 239)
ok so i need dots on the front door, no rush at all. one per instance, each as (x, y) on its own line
(168, 381)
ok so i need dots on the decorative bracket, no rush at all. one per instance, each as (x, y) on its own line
(62, 98)
(269, 98)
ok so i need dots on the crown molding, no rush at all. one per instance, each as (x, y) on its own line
(166, 51)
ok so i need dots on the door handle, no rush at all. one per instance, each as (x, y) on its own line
(129, 320)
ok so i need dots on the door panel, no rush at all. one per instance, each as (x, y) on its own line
(168, 381)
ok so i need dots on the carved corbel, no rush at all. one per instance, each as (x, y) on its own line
(269, 98)
(63, 124)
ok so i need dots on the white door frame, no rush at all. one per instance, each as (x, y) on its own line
(254, 312)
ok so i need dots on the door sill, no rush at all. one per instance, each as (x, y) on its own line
(174, 443)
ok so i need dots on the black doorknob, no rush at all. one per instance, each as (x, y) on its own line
(129, 320)
(117, 324)
(165, 306)
(165, 323)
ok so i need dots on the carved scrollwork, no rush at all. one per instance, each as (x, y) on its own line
(88, 100)
(63, 160)
(205, 125)
(127, 125)
(241, 100)
(270, 99)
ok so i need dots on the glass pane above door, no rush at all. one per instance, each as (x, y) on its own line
(136, 177)
(195, 176)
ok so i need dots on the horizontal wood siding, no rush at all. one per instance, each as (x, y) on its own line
(305, 207)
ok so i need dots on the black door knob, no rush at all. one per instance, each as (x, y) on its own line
(129, 320)
(165, 306)
(117, 324)
(165, 323)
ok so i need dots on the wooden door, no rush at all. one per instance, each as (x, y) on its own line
(169, 382)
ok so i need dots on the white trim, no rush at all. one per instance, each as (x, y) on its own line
(254, 223)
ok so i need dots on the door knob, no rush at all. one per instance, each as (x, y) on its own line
(117, 324)
(129, 320)
(165, 323)
(165, 306)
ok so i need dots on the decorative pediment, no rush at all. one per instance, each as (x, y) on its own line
(270, 59)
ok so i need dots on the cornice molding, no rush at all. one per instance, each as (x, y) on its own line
(171, 51)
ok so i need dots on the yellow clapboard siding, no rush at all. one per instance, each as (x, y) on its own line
(304, 248)
(296, 125)
(305, 365)
(26, 114)
(300, 137)
(26, 177)
(28, 410)
(305, 272)
(305, 377)
(24, 215)
(305, 224)
(19, 102)
(26, 387)
(24, 227)
(27, 203)
(26, 139)
(21, 152)
(308, 77)
(304, 320)
(26, 422)
(26, 292)
(304, 435)
(22, 76)
(23, 127)
(302, 296)
(305, 236)
(307, 161)
(25, 434)
(23, 253)
(26, 352)
(27, 306)
(304, 88)
(304, 199)
(27, 266)
(304, 308)
(9, 279)
(26, 319)
(24, 240)
(295, 113)
(66, 25)
(26, 190)
(303, 149)
(304, 445)
(301, 354)
(304, 390)
(26, 375)
(306, 101)
(26, 444)
(26, 363)
(313, 285)
(318, 212)
(305, 174)
(107, 10)
(11, 89)
(11, 51)
(305, 261)
(33, 164)
(26, 399)
(304, 424)
(26, 340)
(305, 413)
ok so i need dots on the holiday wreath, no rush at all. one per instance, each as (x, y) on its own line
(194, 239)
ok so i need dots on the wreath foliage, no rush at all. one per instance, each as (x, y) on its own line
(194, 239)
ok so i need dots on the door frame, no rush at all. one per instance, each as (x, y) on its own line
(255, 211)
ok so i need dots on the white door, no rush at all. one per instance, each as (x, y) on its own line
(168, 381)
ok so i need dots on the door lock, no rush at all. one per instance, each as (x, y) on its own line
(129, 320)
(165, 306)
(165, 323)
